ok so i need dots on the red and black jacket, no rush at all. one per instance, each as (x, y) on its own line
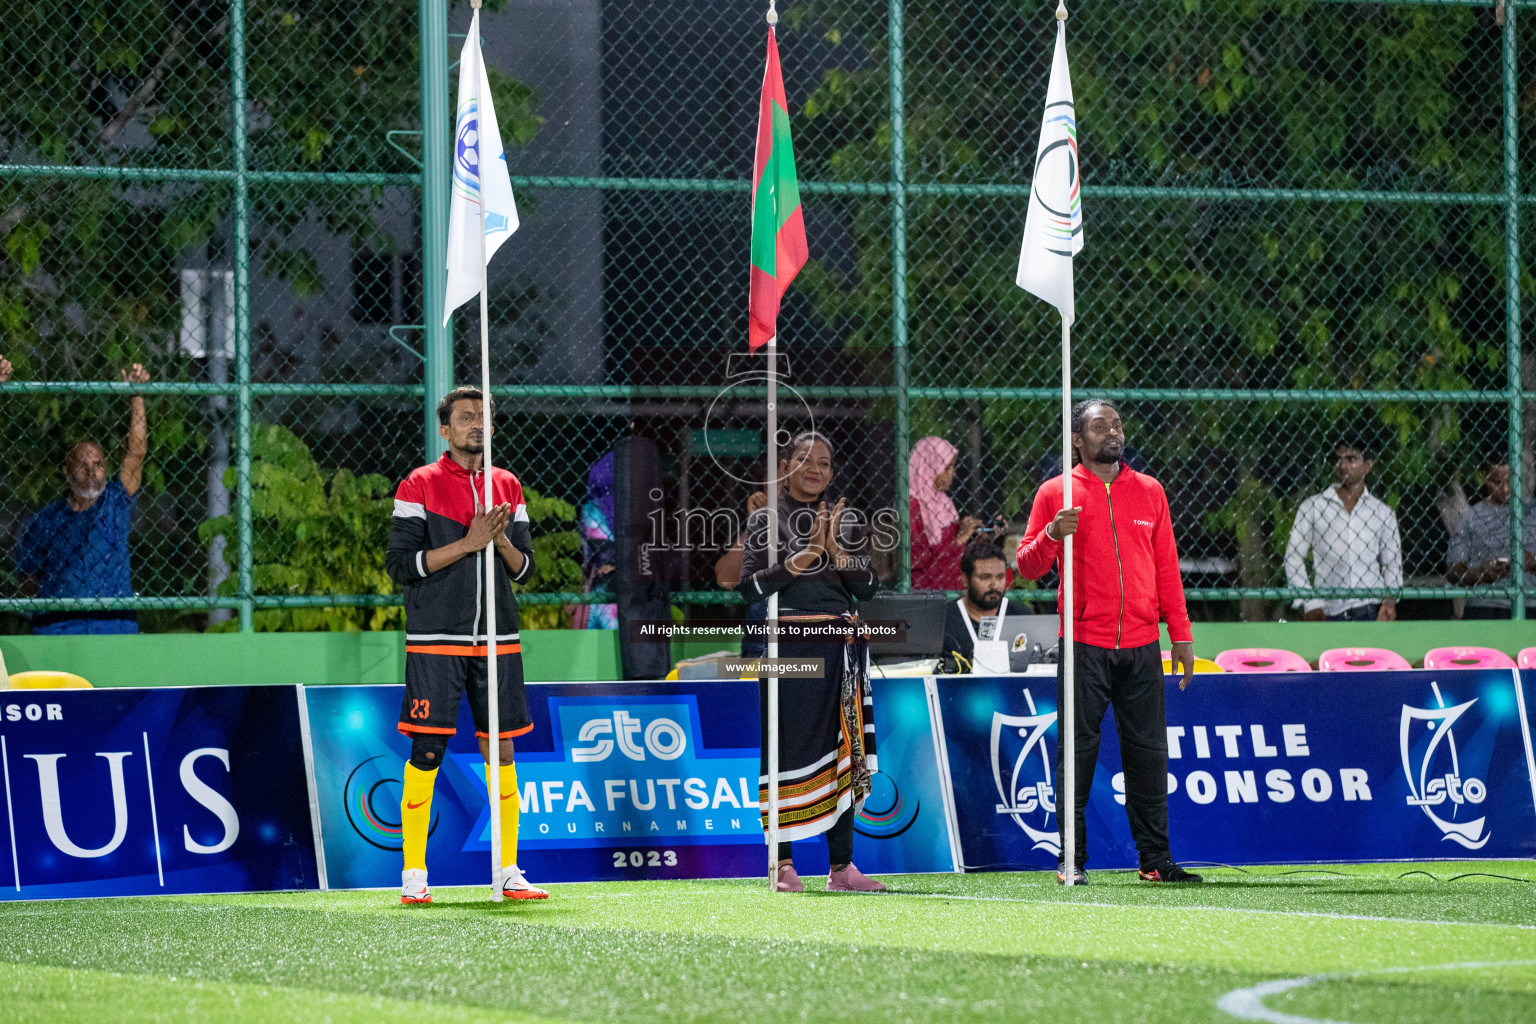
(445, 611)
(1125, 565)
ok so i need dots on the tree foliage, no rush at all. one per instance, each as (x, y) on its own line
(89, 266)
(323, 532)
(1253, 293)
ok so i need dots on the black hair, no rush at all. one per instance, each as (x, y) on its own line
(1080, 411)
(979, 551)
(1494, 461)
(458, 394)
(1080, 415)
(1355, 443)
(787, 453)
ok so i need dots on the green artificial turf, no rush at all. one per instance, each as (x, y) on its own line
(1370, 946)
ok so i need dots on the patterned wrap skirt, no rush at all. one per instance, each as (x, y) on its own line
(826, 738)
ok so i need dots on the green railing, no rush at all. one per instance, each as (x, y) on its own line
(897, 192)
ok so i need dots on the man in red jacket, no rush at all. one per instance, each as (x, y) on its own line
(1125, 579)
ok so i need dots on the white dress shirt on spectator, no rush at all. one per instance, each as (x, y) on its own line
(1359, 549)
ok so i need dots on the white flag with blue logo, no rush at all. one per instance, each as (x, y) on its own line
(479, 169)
(1053, 228)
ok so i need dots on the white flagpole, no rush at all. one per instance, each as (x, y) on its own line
(492, 687)
(1067, 713)
(1066, 718)
(773, 614)
(773, 599)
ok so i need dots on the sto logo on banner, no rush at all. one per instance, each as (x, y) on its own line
(1025, 787)
(629, 769)
(1427, 790)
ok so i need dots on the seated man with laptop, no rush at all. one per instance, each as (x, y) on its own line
(980, 636)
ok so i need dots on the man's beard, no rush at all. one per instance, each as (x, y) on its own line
(473, 447)
(985, 602)
(1109, 453)
(89, 494)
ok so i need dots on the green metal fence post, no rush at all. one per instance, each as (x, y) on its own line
(436, 140)
(242, 269)
(899, 290)
(1512, 314)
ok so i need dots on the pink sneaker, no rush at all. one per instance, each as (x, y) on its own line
(851, 879)
(789, 881)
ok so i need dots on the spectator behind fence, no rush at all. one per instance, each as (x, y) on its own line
(597, 548)
(5, 369)
(728, 576)
(1354, 542)
(939, 533)
(1479, 548)
(77, 546)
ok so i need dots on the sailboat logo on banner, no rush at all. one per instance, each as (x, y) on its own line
(1026, 790)
(1431, 787)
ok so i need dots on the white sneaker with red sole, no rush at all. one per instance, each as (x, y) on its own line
(515, 887)
(413, 886)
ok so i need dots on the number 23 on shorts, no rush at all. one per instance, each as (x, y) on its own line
(421, 708)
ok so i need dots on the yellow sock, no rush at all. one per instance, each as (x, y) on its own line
(509, 810)
(416, 815)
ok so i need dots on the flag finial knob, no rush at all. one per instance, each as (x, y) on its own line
(1061, 10)
(773, 12)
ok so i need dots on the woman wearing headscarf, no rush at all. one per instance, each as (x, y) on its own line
(939, 535)
(820, 571)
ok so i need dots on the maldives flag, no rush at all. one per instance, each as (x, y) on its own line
(778, 229)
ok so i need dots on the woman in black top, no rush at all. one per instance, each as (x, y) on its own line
(826, 725)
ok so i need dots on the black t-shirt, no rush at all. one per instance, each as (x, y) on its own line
(956, 638)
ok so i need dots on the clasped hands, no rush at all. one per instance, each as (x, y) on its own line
(489, 525)
(823, 541)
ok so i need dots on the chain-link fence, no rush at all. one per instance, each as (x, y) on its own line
(1303, 225)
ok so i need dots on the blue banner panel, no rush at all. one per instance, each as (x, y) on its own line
(616, 781)
(901, 828)
(1294, 767)
(129, 792)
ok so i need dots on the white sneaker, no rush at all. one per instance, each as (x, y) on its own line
(515, 887)
(413, 887)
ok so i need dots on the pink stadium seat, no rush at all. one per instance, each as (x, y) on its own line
(1527, 658)
(1262, 659)
(1467, 657)
(1361, 659)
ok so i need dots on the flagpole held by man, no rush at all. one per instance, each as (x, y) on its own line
(1053, 234)
(482, 216)
(778, 251)
(1131, 559)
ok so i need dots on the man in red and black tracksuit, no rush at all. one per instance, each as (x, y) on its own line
(439, 538)
(1125, 579)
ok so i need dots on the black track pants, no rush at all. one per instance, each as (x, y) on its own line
(1132, 680)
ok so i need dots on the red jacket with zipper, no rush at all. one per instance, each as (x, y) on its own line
(1125, 566)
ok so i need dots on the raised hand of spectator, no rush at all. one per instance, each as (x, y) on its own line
(756, 500)
(131, 473)
(967, 530)
(5, 369)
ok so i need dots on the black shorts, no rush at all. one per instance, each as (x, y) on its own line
(434, 683)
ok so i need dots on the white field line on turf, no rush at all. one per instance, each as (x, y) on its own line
(1248, 1003)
